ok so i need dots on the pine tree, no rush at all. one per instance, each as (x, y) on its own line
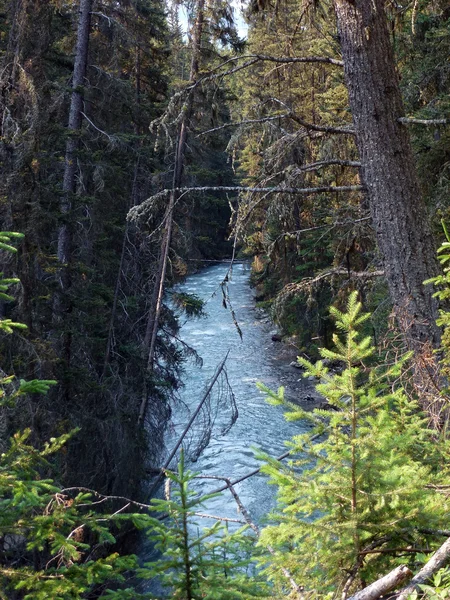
(362, 494)
(53, 543)
(198, 563)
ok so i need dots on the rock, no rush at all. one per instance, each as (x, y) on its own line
(336, 366)
(296, 365)
(309, 399)
(277, 337)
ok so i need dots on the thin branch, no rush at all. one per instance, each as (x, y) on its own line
(274, 190)
(289, 115)
(294, 585)
(138, 212)
(294, 287)
(244, 122)
(346, 130)
(427, 122)
(103, 497)
(226, 519)
(219, 369)
(251, 59)
(331, 161)
(112, 139)
(300, 59)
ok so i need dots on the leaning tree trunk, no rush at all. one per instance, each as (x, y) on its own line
(388, 172)
(157, 300)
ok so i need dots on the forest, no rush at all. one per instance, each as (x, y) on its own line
(143, 140)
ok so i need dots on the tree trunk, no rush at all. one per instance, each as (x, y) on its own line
(388, 172)
(74, 126)
(155, 310)
(62, 305)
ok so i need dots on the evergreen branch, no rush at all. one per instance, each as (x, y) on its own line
(251, 59)
(427, 122)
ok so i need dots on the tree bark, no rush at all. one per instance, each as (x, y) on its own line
(74, 126)
(62, 304)
(157, 301)
(382, 586)
(388, 170)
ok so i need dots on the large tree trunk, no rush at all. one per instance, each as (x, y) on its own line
(388, 172)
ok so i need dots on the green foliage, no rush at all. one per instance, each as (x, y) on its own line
(442, 282)
(6, 237)
(60, 529)
(47, 534)
(191, 304)
(198, 563)
(357, 494)
(438, 589)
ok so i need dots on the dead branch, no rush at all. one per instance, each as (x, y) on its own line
(228, 485)
(331, 161)
(300, 59)
(188, 426)
(217, 518)
(291, 288)
(244, 122)
(251, 59)
(138, 212)
(439, 559)
(309, 126)
(346, 130)
(384, 585)
(274, 190)
(103, 497)
(427, 122)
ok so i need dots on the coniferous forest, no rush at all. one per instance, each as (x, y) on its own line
(143, 140)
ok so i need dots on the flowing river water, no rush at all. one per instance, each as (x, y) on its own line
(253, 358)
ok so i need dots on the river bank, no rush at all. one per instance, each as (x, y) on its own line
(283, 354)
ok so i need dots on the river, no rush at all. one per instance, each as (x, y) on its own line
(253, 358)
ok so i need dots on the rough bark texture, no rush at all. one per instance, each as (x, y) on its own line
(388, 170)
(62, 304)
(74, 126)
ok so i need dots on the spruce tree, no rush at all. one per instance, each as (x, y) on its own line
(198, 563)
(361, 497)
